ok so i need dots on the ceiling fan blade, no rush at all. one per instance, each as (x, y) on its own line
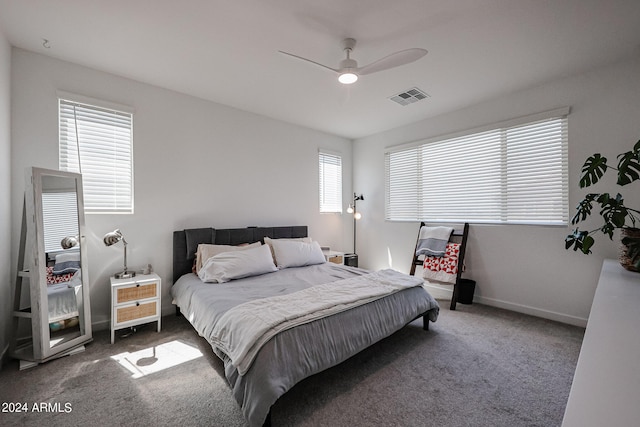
(308, 60)
(394, 60)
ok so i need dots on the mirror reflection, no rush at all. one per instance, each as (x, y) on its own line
(61, 232)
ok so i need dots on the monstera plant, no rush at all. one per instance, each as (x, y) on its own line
(614, 213)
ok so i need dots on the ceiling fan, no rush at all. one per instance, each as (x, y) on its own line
(348, 70)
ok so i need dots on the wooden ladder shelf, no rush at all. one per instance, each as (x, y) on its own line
(459, 236)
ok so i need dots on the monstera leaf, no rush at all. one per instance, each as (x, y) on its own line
(592, 170)
(583, 210)
(629, 166)
(580, 240)
(613, 212)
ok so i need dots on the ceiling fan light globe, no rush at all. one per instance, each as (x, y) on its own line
(347, 78)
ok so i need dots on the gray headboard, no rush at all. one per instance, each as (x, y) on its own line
(185, 242)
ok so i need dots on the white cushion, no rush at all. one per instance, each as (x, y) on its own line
(206, 251)
(237, 264)
(269, 240)
(297, 254)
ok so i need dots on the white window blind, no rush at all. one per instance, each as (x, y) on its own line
(330, 182)
(515, 173)
(97, 142)
(59, 218)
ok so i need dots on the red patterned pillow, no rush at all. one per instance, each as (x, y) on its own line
(57, 278)
(442, 269)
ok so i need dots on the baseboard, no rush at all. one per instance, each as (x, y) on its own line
(441, 292)
(101, 325)
(533, 311)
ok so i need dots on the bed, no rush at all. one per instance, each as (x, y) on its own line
(64, 282)
(261, 371)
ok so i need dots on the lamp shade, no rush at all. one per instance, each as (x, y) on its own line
(112, 237)
(69, 242)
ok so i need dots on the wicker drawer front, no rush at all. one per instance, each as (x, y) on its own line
(136, 293)
(133, 312)
(135, 301)
(337, 259)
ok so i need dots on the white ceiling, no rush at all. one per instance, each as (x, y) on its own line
(227, 50)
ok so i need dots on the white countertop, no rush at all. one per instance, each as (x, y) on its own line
(606, 385)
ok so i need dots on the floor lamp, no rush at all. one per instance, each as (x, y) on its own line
(356, 216)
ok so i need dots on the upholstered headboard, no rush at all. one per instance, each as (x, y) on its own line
(185, 242)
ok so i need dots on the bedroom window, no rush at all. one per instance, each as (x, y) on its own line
(330, 182)
(510, 173)
(96, 141)
(59, 218)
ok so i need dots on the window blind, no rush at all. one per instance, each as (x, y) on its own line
(509, 174)
(59, 218)
(97, 142)
(330, 182)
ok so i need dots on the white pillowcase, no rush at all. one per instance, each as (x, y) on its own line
(290, 253)
(269, 240)
(206, 251)
(237, 264)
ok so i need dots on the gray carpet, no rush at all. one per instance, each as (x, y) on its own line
(477, 366)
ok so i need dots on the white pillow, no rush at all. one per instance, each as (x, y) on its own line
(237, 264)
(269, 240)
(206, 251)
(297, 254)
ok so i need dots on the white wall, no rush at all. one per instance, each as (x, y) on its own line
(5, 191)
(197, 164)
(524, 268)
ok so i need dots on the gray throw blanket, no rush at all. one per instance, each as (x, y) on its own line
(432, 241)
(243, 330)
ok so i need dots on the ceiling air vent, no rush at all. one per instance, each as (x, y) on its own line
(409, 97)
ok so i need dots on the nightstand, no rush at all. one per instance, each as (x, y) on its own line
(333, 256)
(351, 260)
(135, 301)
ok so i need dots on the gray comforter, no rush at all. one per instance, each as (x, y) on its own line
(304, 350)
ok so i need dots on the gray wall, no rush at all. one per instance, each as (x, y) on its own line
(196, 164)
(5, 192)
(523, 268)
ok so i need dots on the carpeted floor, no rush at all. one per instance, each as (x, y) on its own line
(477, 366)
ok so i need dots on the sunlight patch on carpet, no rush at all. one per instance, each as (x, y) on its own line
(157, 358)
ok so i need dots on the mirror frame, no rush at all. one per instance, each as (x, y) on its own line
(36, 263)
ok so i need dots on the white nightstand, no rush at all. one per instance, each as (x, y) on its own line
(135, 301)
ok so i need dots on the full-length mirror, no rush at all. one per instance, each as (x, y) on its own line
(56, 265)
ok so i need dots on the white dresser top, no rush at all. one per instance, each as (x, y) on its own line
(606, 385)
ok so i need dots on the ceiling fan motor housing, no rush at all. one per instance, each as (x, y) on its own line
(349, 43)
(348, 63)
